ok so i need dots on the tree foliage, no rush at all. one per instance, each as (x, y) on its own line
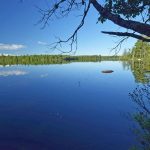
(141, 50)
(129, 9)
(138, 60)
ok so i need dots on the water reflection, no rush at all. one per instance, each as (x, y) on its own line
(140, 70)
(44, 75)
(6, 73)
(141, 97)
(73, 107)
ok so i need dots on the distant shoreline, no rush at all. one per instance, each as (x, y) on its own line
(58, 59)
(53, 59)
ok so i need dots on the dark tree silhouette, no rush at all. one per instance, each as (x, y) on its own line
(141, 97)
(133, 15)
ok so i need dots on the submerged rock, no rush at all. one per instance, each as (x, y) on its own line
(107, 71)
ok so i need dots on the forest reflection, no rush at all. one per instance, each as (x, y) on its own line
(139, 69)
(141, 97)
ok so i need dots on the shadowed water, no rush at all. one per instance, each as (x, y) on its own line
(66, 107)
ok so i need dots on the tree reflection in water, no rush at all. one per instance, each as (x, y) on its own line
(141, 97)
(139, 69)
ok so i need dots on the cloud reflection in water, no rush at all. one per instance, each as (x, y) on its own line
(12, 73)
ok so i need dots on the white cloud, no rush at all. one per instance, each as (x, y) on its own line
(11, 46)
(12, 73)
(42, 43)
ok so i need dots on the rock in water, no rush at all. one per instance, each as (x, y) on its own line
(107, 71)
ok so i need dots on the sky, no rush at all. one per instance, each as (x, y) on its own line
(20, 34)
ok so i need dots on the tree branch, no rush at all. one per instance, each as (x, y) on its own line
(73, 37)
(141, 28)
(127, 34)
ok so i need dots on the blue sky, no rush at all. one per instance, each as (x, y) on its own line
(19, 33)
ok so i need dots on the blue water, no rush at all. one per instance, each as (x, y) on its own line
(66, 107)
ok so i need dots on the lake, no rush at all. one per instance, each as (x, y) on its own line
(67, 107)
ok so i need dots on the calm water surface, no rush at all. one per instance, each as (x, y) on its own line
(66, 107)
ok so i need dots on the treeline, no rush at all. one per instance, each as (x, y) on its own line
(46, 59)
(111, 58)
(138, 60)
(140, 51)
